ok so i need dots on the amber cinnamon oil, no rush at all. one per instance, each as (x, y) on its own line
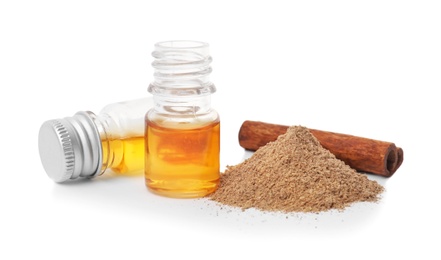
(125, 156)
(182, 160)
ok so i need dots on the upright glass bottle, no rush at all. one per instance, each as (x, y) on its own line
(182, 130)
(86, 144)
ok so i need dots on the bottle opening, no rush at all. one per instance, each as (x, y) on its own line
(181, 44)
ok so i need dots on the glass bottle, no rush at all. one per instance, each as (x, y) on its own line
(182, 130)
(86, 144)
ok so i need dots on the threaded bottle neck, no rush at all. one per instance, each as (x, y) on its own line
(182, 69)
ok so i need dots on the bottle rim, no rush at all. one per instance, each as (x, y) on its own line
(181, 44)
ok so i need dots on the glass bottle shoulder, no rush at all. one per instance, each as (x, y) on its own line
(182, 121)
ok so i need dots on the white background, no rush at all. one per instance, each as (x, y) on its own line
(367, 68)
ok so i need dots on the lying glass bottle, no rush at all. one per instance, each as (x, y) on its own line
(87, 144)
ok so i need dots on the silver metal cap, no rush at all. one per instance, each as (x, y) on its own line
(70, 147)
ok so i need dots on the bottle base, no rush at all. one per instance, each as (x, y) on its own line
(174, 191)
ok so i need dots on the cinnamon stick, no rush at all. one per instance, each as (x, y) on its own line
(362, 154)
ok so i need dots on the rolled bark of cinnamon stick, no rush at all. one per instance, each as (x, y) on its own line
(362, 154)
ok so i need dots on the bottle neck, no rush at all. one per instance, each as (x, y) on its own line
(182, 70)
(109, 143)
(182, 106)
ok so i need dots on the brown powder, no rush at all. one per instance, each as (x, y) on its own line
(294, 174)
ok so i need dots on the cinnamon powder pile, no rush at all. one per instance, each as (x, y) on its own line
(294, 174)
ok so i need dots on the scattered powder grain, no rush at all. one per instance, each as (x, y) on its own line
(294, 174)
